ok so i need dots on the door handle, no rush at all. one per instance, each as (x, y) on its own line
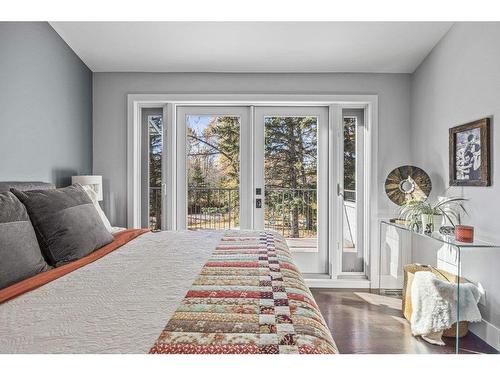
(258, 203)
(340, 191)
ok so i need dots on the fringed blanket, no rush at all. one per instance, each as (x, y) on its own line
(249, 298)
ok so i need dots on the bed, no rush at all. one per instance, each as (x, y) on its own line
(169, 292)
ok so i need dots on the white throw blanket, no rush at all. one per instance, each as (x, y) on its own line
(434, 303)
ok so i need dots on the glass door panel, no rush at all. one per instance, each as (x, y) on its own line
(288, 149)
(352, 257)
(152, 162)
(290, 179)
(213, 171)
(213, 178)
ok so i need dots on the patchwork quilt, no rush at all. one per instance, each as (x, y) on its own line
(249, 298)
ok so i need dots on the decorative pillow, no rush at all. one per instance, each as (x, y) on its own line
(93, 195)
(66, 223)
(20, 255)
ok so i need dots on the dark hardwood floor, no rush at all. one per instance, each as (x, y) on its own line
(362, 322)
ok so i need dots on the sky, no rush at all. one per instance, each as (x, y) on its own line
(198, 123)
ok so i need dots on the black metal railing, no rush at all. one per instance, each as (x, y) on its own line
(213, 208)
(292, 212)
(350, 195)
(155, 208)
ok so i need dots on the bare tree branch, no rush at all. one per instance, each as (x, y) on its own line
(232, 162)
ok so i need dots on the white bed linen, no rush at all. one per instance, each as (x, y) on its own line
(118, 304)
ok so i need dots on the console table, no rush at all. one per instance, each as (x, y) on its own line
(442, 251)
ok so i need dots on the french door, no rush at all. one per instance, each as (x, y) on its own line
(269, 175)
(291, 180)
(213, 168)
(285, 168)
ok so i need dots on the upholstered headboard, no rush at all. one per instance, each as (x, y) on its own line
(25, 185)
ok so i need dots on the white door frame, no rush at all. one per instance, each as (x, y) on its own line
(335, 102)
(245, 171)
(134, 165)
(317, 260)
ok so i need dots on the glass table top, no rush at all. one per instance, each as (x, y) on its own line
(446, 239)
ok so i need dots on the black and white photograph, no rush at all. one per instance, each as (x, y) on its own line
(469, 154)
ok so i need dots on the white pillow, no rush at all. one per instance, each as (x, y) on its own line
(93, 195)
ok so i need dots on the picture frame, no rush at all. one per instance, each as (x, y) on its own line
(469, 154)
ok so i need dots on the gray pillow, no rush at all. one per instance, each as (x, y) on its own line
(20, 255)
(66, 223)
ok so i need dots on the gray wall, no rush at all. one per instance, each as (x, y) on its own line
(45, 106)
(110, 122)
(457, 83)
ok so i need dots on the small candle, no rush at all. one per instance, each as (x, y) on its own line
(464, 233)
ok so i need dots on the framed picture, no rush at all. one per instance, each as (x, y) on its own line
(470, 154)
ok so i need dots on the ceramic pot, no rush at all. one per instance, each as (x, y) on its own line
(430, 223)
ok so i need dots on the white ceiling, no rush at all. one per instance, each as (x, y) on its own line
(374, 47)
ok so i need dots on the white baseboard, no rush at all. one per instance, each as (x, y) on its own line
(390, 282)
(338, 283)
(487, 332)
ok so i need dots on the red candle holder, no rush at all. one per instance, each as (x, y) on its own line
(464, 233)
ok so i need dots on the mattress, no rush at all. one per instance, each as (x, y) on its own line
(118, 304)
(173, 292)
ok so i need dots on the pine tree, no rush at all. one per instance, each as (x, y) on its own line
(226, 131)
(291, 163)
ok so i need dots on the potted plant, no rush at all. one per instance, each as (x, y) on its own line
(428, 215)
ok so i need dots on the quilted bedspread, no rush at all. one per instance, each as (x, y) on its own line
(249, 298)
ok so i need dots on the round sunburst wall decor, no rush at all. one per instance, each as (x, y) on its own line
(407, 183)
